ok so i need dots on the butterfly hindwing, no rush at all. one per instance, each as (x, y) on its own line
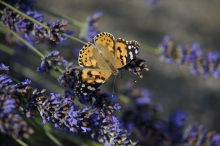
(89, 80)
(125, 51)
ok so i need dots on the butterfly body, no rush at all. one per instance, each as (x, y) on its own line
(102, 59)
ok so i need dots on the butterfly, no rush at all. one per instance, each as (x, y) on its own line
(100, 59)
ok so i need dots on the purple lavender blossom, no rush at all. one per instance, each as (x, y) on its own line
(23, 5)
(68, 78)
(192, 56)
(213, 63)
(145, 97)
(4, 81)
(7, 107)
(25, 25)
(178, 118)
(56, 29)
(9, 18)
(96, 119)
(4, 69)
(33, 32)
(196, 134)
(137, 65)
(91, 27)
(216, 140)
(216, 73)
(12, 96)
(69, 94)
(13, 125)
(26, 82)
(50, 61)
(167, 48)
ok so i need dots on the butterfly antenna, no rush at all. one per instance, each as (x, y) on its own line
(113, 91)
(126, 77)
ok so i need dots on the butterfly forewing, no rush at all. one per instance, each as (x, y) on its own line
(105, 41)
(89, 57)
(125, 51)
(86, 56)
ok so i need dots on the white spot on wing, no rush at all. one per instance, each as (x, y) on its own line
(131, 55)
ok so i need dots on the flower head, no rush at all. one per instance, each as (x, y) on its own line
(4, 69)
(197, 134)
(68, 77)
(167, 50)
(7, 106)
(90, 29)
(57, 28)
(192, 56)
(178, 118)
(136, 66)
(216, 140)
(12, 124)
(50, 61)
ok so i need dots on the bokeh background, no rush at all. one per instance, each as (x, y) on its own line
(174, 87)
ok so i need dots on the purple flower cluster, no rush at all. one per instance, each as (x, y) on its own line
(198, 134)
(96, 120)
(11, 96)
(167, 50)
(56, 29)
(136, 66)
(4, 69)
(199, 61)
(50, 61)
(90, 28)
(68, 78)
(144, 120)
(30, 31)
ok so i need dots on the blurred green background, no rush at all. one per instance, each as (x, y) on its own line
(187, 21)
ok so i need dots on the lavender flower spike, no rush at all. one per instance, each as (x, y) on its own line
(50, 61)
(90, 28)
(4, 69)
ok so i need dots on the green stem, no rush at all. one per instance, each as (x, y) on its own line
(70, 20)
(24, 15)
(73, 38)
(21, 142)
(59, 69)
(53, 139)
(149, 48)
(11, 52)
(23, 41)
(2, 12)
(6, 49)
(15, 80)
(80, 25)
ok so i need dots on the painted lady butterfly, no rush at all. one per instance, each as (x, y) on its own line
(101, 59)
